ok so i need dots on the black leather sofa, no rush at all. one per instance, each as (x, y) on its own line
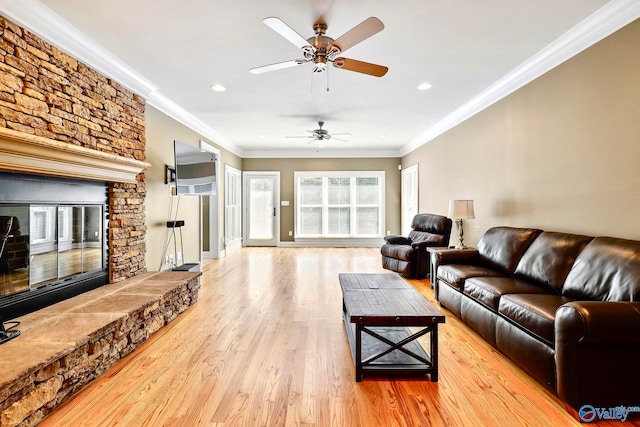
(564, 307)
(408, 255)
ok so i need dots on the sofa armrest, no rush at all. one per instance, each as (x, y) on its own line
(457, 256)
(397, 240)
(597, 347)
(598, 322)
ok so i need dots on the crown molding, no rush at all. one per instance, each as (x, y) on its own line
(319, 153)
(42, 21)
(604, 22)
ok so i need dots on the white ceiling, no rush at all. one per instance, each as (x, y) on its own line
(472, 52)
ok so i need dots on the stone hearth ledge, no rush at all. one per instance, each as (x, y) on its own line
(65, 346)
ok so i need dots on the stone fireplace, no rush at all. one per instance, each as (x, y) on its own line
(56, 229)
(73, 127)
(59, 118)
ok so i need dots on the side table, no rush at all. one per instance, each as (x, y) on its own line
(435, 255)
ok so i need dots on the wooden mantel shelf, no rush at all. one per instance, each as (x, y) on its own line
(26, 153)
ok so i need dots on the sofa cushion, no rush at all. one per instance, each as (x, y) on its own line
(401, 252)
(502, 247)
(534, 313)
(456, 274)
(488, 290)
(550, 257)
(608, 269)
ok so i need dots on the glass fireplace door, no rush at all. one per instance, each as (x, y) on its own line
(92, 244)
(14, 249)
(45, 244)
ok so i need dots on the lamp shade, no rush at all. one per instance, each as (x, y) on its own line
(461, 209)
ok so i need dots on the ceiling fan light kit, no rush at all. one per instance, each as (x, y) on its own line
(321, 49)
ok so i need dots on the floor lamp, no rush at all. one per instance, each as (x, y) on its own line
(460, 210)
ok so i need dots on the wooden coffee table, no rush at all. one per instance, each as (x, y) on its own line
(378, 312)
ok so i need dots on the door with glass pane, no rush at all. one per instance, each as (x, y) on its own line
(261, 190)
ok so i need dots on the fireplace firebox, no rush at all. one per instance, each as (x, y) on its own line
(53, 240)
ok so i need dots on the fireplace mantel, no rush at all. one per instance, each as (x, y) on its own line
(26, 153)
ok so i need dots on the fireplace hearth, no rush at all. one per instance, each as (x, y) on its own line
(53, 240)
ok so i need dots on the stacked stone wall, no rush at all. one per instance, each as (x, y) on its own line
(46, 92)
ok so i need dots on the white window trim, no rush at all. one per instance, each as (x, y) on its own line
(362, 240)
(409, 203)
(233, 241)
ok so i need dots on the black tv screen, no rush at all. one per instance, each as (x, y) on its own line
(195, 170)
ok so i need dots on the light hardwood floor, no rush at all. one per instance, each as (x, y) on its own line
(265, 346)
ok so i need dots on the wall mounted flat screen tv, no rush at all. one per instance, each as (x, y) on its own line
(195, 170)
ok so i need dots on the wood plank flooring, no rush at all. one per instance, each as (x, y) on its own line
(265, 346)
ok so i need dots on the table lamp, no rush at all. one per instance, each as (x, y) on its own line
(460, 210)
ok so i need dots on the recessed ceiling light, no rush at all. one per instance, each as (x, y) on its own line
(380, 136)
(424, 86)
(218, 88)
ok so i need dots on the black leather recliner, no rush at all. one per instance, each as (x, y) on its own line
(408, 255)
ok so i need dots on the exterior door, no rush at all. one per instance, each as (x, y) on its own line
(409, 199)
(262, 213)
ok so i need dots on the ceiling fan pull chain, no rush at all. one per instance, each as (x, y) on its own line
(327, 79)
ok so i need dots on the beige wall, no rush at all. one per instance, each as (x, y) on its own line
(287, 167)
(562, 153)
(161, 132)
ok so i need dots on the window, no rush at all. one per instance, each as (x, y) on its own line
(65, 224)
(232, 204)
(43, 224)
(339, 204)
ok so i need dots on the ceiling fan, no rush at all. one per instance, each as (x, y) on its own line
(322, 50)
(321, 134)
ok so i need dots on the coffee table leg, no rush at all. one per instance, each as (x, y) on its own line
(358, 352)
(434, 353)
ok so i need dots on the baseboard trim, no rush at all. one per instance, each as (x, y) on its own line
(333, 243)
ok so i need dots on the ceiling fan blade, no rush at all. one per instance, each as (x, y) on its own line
(306, 136)
(360, 32)
(277, 66)
(361, 67)
(345, 133)
(277, 25)
(340, 139)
